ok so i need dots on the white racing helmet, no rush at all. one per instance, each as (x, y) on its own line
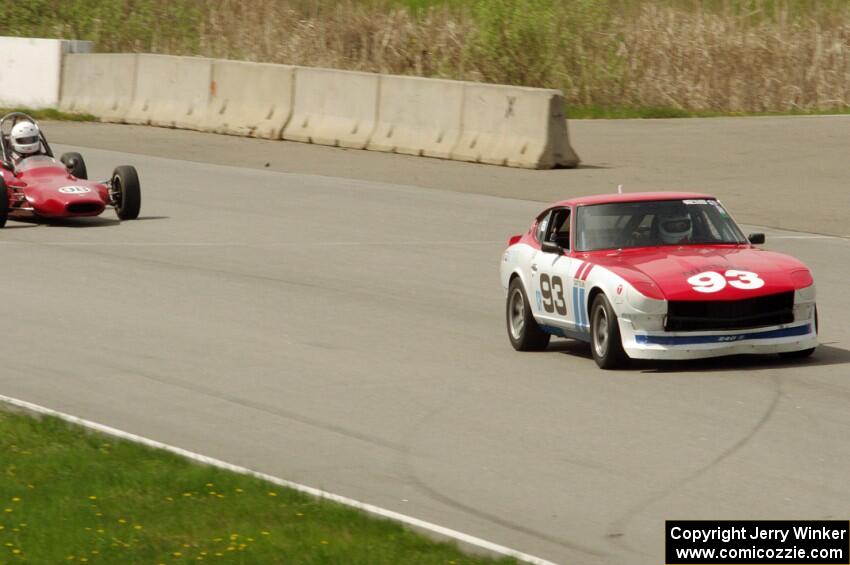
(675, 228)
(25, 138)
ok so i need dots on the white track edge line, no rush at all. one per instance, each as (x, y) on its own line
(319, 493)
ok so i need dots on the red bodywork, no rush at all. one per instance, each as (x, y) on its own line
(661, 272)
(42, 186)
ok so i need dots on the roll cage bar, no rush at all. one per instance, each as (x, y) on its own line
(9, 121)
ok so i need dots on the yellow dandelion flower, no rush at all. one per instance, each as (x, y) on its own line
(122, 521)
(137, 527)
(71, 558)
(16, 499)
(84, 559)
(7, 510)
(187, 494)
(30, 486)
(250, 539)
(239, 490)
(234, 536)
(219, 554)
(92, 497)
(299, 514)
(219, 496)
(16, 551)
(272, 494)
(23, 524)
(100, 531)
(212, 493)
(324, 542)
(177, 554)
(94, 552)
(210, 485)
(265, 533)
(98, 513)
(15, 530)
(2, 527)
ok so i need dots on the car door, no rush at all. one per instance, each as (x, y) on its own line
(551, 271)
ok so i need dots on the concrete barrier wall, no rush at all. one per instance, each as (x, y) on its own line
(101, 84)
(418, 116)
(502, 125)
(252, 99)
(171, 91)
(333, 107)
(514, 126)
(31, 70)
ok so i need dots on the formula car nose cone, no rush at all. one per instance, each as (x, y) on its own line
(84, 207)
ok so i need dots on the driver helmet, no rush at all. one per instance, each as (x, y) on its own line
(675, 228)
(25, 138)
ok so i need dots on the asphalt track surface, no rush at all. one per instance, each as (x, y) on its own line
(348, 334)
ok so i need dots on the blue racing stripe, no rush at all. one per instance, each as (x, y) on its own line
(576, 312)
(582, 309)
(725, 338)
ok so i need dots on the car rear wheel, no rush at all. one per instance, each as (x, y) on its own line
(125, 193)
(75, 165)
(4, 202)
(523, 331)
(605, 341)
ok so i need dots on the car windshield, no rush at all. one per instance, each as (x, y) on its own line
(657, 222)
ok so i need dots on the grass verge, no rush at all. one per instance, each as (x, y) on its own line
(68, 495)
(50, 114)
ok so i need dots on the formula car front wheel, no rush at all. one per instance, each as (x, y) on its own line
(4, 202)
(523, 331)
(75, 165)
(125, 193)
(605, 340)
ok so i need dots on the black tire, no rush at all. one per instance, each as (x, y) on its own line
(4, 202)
(75, 165)
(125, 192)
(523, 331)
(605, 341)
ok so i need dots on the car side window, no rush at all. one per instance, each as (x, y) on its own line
(559, 230)
(542, 226)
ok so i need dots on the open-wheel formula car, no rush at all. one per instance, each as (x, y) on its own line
(38, 185)
(654, 276)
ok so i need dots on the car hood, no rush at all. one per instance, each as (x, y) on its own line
(663, 272)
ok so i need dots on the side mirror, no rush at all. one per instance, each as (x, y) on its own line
(8, 166)
(551, 247)
(756, 238)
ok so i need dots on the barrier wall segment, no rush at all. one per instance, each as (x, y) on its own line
(332, 107)
(171, 91)
(418, 116)
(251, 99)
(101, 84)
(514, 126)
(31, 70)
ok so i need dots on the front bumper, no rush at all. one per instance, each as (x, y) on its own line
(784, 338)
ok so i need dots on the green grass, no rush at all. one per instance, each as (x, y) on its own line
(655, 112)
(50, 114)
(71, 496)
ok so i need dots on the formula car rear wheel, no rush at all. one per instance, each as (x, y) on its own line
(605, 340)
(125, 193)
(523, 331)
(4, 202)
(75, 165)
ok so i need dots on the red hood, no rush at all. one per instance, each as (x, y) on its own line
(663, 272)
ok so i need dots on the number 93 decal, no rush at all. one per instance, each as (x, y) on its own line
(712, 281)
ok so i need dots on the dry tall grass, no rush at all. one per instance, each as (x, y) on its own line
(721, 55)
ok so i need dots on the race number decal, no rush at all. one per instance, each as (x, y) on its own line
(553, 294)
(74, 190)
(712, 281)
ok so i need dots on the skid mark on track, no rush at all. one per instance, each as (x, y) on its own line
(259, 406)
(618, 527)
(413, 477)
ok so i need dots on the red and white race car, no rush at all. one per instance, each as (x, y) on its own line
(654, 276)
(41, 186)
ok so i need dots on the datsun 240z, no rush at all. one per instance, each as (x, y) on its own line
(654, 276)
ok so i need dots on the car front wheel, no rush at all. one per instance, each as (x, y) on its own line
(605, 341)
(524, 332)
